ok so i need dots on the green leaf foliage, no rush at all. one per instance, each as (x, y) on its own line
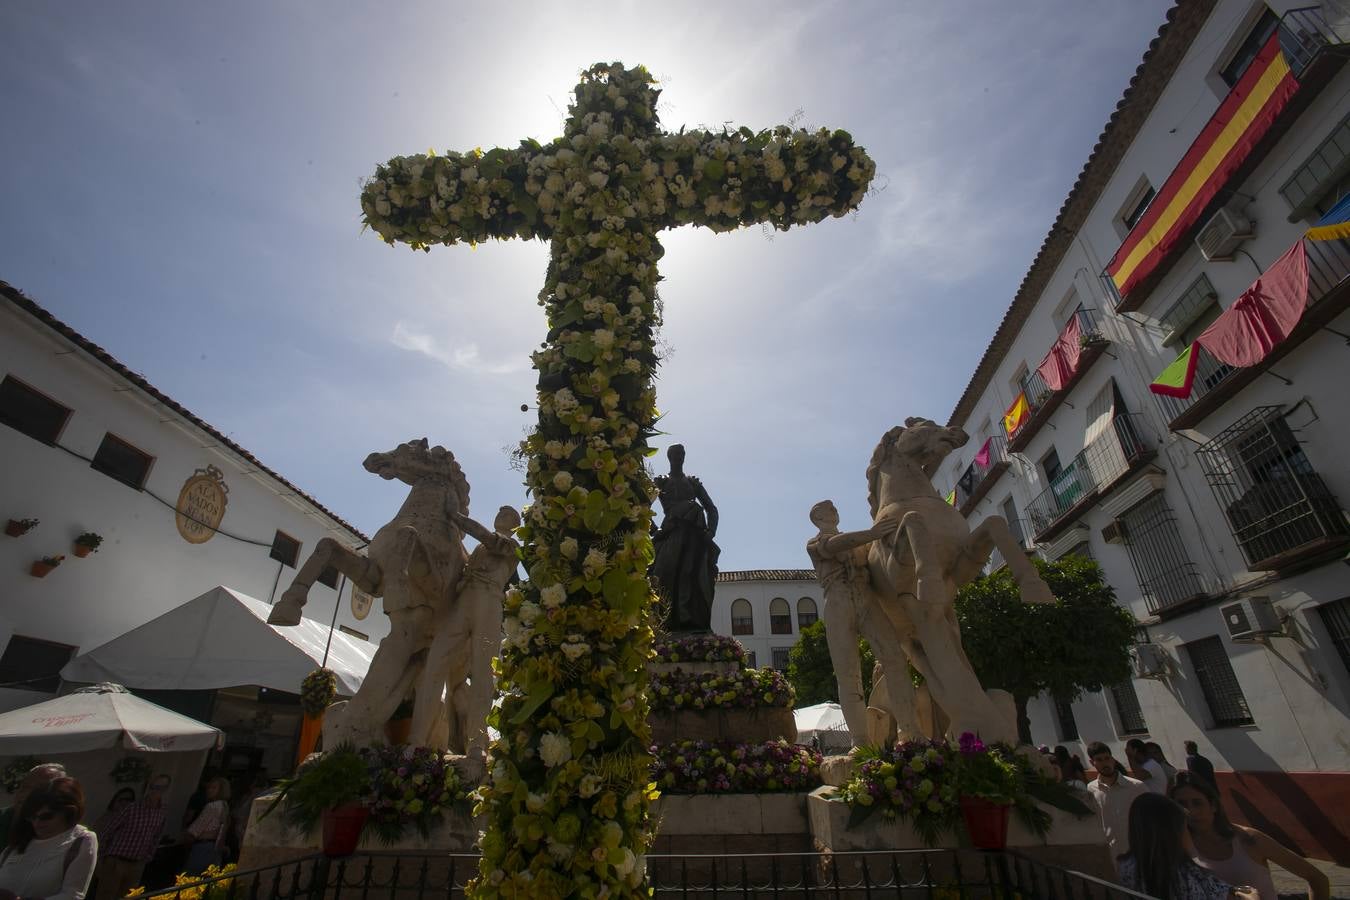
(811, 672)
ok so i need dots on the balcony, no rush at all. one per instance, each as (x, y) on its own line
(1280, 511)
(1216, 383)
(1103, 464)
(1042, 401)
(978, 478)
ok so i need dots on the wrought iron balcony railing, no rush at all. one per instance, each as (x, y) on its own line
(979, 477)
(1042, 400)
(1117, 452)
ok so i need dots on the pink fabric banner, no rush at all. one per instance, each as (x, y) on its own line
(982, 458)
(1062, 360)
(1264, 315)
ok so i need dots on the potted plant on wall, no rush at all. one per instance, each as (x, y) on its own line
(330, 790)
(87, 543)
(987, 784)
(20, 527)
(42, 567)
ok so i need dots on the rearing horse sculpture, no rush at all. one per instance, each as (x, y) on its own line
(928, 557)
(414, 562)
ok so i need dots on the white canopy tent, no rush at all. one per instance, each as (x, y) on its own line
(824, 721)
(89, 730)
(219, 640)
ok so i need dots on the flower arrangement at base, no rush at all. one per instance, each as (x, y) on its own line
(335, 778)
(700, 648)
(12, 774)
(744, 689)
(705, 767)
(215, 883)
(317, 691)
(410, 786)
(130, 770)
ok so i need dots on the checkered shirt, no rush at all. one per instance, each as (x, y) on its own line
(135, 833)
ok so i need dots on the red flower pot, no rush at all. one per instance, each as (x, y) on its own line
(986, 822)
(15, 528)
(40, 569)
(82, 551)
(342, 829)
(397, 731)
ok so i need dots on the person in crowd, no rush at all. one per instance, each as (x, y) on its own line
(1236, 853)
(1114, 793)
(259, 785)
(1198, 765)
(38, 776)
(121, 799)
(1159, 862)
(131, 840)
(208, 832)
(1155, 753)
(50, 854)
(1145, 769)
(1070, 767)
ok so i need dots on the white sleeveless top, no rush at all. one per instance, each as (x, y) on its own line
(1239, 869)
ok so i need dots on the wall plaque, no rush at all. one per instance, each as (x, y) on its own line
(201, 505)
(361, 603)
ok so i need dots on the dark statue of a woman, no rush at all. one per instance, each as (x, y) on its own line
(685, 568)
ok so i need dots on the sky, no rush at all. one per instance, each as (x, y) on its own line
(180, 184)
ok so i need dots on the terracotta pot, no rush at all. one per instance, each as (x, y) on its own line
(82, 551)
(397, 731)
(986, 822)
(342, 829)
(15, 528)
(40, 569)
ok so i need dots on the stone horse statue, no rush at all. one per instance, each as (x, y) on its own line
(925, 559)
(415, 563)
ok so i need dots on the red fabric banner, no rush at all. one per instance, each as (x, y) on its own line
(982, 458)
(1264, 315)
(1062, 360)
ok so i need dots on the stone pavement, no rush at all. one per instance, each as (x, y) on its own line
(1287, 884)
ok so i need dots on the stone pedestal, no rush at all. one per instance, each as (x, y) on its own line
(742, 824)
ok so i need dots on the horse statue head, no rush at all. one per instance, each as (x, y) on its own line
(414, 462)
(918, 447)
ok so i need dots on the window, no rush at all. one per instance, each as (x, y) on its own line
(328, 577)
(1214, 672)
(1066, 310)
(1082, 548)
(1194, 304)
(285, 549)
(1068, 726)
(1336, 618)
(35, 414)
(1164, 570)
(751, 661)
(1129, 714)
(806, 612)
(1321, 180)
(29, 664)
(1019, 377)
(1136, 204)
(1050, 465)
(122, 462)
(780, 616)
(352, 632)
(1251, 45)
(742, 617)
(1010, 513)
(780, 658)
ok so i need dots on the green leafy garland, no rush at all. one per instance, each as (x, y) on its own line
(569, 777)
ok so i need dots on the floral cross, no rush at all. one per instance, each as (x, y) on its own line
(569, 779)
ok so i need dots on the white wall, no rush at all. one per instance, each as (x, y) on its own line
(760, 593)
(144, 567)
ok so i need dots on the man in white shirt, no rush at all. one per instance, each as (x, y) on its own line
(1144, 768)
(1114, 793)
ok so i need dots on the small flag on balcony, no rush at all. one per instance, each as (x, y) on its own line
(982, 458)
(1061, 362)
(951, 498)
(1335, 225)
(1017, 414)
(1177, 379)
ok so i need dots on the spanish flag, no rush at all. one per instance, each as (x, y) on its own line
(1178, 378)
(1017, 414)
(1241, 120)
(1335, 225)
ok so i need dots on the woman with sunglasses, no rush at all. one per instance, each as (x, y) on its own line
(51, 855)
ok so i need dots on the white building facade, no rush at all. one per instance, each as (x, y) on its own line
(90, 446)
(1218, 517)
(766, 610)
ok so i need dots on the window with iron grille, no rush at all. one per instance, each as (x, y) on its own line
(1164, 570)
(1129, 714)
(1277, 507)
(1320, 174)
(751, 662)
(780, 658)
(780, 616)
(285, 549)
(806, 612)
(1068, 726)
(1336, 618)
(29, 664)
(1214, 671)
(742, 616)
(32, 412)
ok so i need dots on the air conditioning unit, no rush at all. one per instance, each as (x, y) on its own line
(1224, 233)
(1251, 617)
(1114, 532)
(1150, 661)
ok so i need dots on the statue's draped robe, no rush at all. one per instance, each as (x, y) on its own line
(686, 557)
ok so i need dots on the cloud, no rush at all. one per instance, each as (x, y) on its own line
(462, 357)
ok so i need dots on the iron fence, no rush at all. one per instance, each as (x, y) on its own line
(972, 480)
(1104, 460)
(857, 875)
(1304, 34)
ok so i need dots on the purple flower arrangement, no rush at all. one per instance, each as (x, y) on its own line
(704, 767)
(745, 689)
(700, 648)
(410, 786)
(914, 781)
